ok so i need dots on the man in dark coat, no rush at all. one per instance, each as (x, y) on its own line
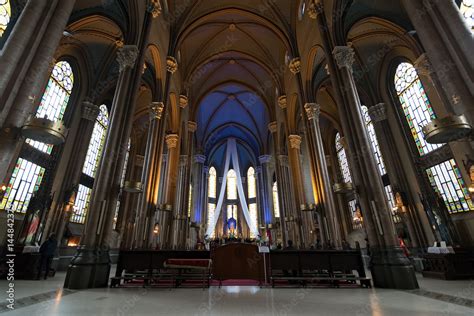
(47, 250)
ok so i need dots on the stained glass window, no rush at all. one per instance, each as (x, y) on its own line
(467, 10)
(25, 180)
(231, 185)
(447, 181)
(342, 158)
(252, 183)
(377, 154)
(96, 145)
(276, 203)
(190, 199)
(212, 194)
(252, 192)
(415, 104)
(122, 182)
(55, 99)
(5, 15)
(81, 204)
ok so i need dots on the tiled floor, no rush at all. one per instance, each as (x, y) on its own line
(233, 300)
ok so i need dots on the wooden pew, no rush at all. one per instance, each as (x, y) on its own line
(305, 267)
(149, 266)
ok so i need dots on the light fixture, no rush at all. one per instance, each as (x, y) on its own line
(3, 188)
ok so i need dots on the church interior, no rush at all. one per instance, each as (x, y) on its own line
(222, 157)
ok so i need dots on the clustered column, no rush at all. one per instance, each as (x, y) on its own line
(390, 268)
(313, 112)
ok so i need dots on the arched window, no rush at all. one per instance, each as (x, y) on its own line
(5, 15)
(342, 158)
(276, 203)
(55, 99)
(445, 178)
(377, 153)
(252, 193)
(467, 10)
(122, 182)
(27, 176)
(416, 105)
(212, 194)
(94, 152)
(231, 185)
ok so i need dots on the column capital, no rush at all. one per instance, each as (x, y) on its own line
(344, 56)
(127, 56)
(183, 101)
(273, 127)
(423, 65)
(295, 65)
(155, 8)
(378, 112)
(90, 111)
(199, 159)
(192, 126)
(156, 110)
(283, 160)
(314, 9)
(313, 110)
(282, 101)
(183, 160)
(171, 64)
(172, 140)
(265, 159)
(295, 141)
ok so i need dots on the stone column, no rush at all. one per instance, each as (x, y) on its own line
(180, 216)
(147, 202)
(313, 112)
(441, 29)
(266, 189)
(197, 203)
(61, 214)
(170, 184)
(398, 180)
(21, 98)
(305, 219)
(273, 128)
(390, 268)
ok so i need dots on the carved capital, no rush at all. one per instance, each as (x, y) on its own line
(283, 160)
(171, 64)
(192, 126)
(90, 111)
(314, 9)
(295, 65)
(282, 102)
(378, 112)
(273, 127)
(156, 110)
(183, 101)
(183, 160)
(155, 8)
(200, 159)
(313, 110)
(127, 56)
(265, 159)
(172, 140)
(423, 66)
(344, 56)
(295, 141)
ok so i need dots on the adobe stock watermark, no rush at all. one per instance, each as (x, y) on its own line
(10, 263)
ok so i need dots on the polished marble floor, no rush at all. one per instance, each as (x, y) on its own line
(48, 298)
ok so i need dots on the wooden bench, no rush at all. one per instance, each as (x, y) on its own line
(148, 268)
(305, 268)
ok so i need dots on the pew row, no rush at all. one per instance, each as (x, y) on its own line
(324, 267)
(171, 268)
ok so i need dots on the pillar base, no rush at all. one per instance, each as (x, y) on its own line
(90, 268)
(391, 269)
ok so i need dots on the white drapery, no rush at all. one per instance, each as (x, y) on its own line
(231, 153)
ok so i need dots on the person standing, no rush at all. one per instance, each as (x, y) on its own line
(47, 250)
